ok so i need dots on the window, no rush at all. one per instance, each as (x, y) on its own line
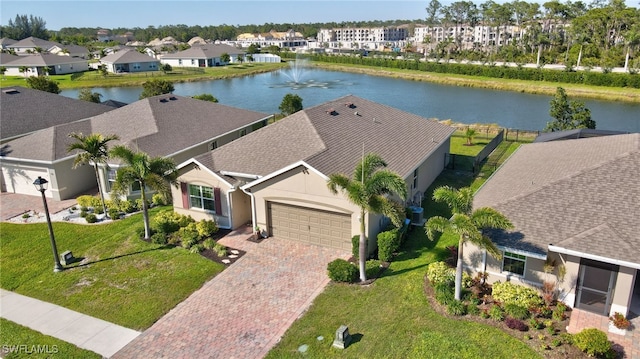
(201, 197)
(415, 178)
(243, 132)
(179, 61)
(193, 62)
(111, 178)
(513, 263)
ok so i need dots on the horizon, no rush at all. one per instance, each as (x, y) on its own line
(146, 13)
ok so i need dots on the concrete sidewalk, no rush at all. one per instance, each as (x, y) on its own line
(79, 329)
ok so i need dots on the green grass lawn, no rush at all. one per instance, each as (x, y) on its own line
(22, 340)
(392, 318)
(122, 279)
(95, 79)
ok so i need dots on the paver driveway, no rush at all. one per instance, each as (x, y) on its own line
(242, 312)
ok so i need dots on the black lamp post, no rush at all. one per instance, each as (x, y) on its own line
(41, 185)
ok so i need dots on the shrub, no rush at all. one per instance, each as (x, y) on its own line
(140, 232)
(516, 311)
(127, 206)
(558, 313)
(98, 210)
(516, 324)
(484, 314)
(592, 341)
(197, 248)
(372, 268)
(91, 218)
(619, 321)
(440, 272)
(456, 307)
(188, 237)
(545, 312)
(496, 313)
(388, 242)
(209, 243)
(567, 338)
(206, 228)
(219, 249)
(509, 293)
(159, 238)
(535, 324)
(114, 213)
(444, 293)
(139, 203)
(473, 309)
(167, 222)
(342, 271)
(556, 342)
(85, 200)
(26, 215)
(83, 213)
(158, 200)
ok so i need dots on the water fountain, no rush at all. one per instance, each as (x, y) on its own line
(296, 73)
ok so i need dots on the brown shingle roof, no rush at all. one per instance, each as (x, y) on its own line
(127, 56)
(25, 110)
(580, 194)
(160, 126)
(208, 51)
(332, 142)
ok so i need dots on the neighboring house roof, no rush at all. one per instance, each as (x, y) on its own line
(6, 58)
(578, 195)
(208, 51)
(5, 41)
(114, 103)
(127, 57)
(575, 134)
(33, 42)
(44, 60)
(25, 110)
(73, 49)
(332, 142)
(160, 126)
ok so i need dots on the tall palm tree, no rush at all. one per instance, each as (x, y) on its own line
(94, 150)
(466, 223)
(368, 189)
(156, 173)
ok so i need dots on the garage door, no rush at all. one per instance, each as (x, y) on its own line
(329, 229)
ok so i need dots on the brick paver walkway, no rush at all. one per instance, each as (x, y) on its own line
(630, 341)
(243, 311)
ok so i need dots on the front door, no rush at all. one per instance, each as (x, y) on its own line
(595, 288)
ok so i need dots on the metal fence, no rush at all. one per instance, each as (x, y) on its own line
(486, 151)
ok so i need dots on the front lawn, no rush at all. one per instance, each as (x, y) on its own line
(392, 318)
(17, 341)
(122, 279)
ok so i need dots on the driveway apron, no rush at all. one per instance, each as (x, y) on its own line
(245, 310)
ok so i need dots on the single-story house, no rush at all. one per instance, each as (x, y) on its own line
(31, 44)
(202, 56)
(575, 134)
(70, 50)
(576, 204)
(129, 61)
(5, 42)
(276, 178)
(25, 110)
(43, 64)
(169, 126)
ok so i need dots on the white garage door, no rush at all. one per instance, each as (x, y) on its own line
(329, 229)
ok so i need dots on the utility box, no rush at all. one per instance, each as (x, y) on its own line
(343, 338)
(67, 258)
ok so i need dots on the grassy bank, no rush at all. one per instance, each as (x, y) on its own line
(121, 278)
(531, 87)
(95, 79)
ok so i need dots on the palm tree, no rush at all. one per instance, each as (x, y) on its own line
(93, 150)
(469, 134)
(368, 189)
(156, 173)
(467, 223)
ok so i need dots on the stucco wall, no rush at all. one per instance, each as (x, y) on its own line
(198, 176)
(69, 182)
(624, 289)
(18, 177)
(428, 170)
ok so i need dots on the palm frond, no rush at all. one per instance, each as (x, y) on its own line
(387, 182)
(369, 164)
(124, 153)
(436, 224)
(491, 247)
(338, 181)
(459, 201)
(487, 217)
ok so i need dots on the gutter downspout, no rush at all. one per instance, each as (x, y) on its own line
(254, 220)
(230, 206)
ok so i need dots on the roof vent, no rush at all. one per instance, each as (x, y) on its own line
(163, 100)
(350, 105)
(172, 98)
(356, 113)
(10, 91)
(331, 112)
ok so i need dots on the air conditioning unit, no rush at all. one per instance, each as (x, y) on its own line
(417, 216)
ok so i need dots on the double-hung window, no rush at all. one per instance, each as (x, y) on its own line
(513, 263)
(201, 197)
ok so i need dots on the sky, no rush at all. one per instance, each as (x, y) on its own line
(143, 13)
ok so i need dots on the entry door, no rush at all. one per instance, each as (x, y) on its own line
(596, 287)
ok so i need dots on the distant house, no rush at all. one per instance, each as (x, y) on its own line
(5, 42)
(167, 125)
(276, 177)
(35, 45)
(574, 203)
(69, 50)
(129, 61)
(202, 56)
(42, 64)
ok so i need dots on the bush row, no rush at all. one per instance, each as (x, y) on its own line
(606, 79)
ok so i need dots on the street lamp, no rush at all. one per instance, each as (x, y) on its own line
(41, 185)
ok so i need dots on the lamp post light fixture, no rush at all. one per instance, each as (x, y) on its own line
(41, 185)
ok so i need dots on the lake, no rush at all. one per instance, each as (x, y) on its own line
(264, 92)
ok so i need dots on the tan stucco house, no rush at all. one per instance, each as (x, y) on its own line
(208, 55)
(276, 177)
(574, 203)
(129, 61)
(169, 126)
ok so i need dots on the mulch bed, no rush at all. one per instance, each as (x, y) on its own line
(209, 254)
(256, 238)
(562, 351)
